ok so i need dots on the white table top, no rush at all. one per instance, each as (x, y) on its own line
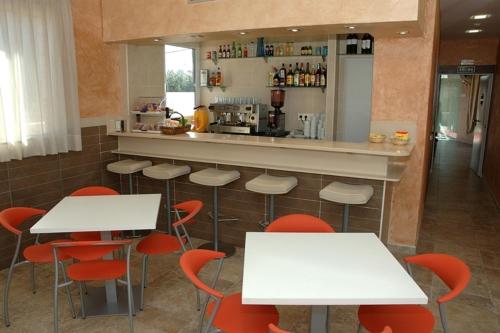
(101, 213)
(324, 269)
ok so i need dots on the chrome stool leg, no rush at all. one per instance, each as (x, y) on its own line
(169, 209)
(345, 221)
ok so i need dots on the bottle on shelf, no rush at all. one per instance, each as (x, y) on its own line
(218, 78)
(312, 77)
(301, 75)
(233, 50)
(276, 77)
(270, 79)
(296, 75)
(367, 44)
(307, 77)
(239, 52)
(282, 75)
(354, 44)
(245, 51)
(310, 50)
(220, 51)
(317, 76)
(289, 76)
(271, 50)
(223, 51)
(322, 78)
(267, 50)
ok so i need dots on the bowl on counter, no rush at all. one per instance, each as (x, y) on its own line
(376, 137)
(399, 141)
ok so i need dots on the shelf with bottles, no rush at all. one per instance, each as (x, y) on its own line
(313, 76)
(323, 88)
(352, 45)
(211, 87)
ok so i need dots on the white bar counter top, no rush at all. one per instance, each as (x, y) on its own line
(377, 161)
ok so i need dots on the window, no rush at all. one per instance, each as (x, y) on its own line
(180, 79)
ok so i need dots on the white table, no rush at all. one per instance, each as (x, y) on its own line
(322, 269)
(105, 214)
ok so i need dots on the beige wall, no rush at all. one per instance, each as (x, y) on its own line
(492, 157)
(404, 93)
(136, 19)
(99, 64)
(482, 50)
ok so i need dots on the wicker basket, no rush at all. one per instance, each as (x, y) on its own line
(175, 130)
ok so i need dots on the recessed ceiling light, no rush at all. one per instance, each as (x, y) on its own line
(294, 29)
(480, 16)
(157, 40)
(243, 33)
(350, 27)
(404, 32)
(473, 31)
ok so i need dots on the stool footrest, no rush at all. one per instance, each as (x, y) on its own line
(221, 218)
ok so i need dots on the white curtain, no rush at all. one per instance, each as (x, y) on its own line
(38, 82)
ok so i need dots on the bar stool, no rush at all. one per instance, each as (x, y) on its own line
(167, 172)
(346, 194)
(215, 178)
(270, 186)
(128, 167)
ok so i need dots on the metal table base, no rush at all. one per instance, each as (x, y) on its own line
(319, 319)
(96, 304)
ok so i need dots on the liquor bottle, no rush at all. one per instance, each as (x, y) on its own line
(276, 78)
(239, 53)
(302, 75)
(367, 44)
(218, 78)
(322, 79)
(271, 50)
(354, 42)
(296, 75)
(289, 76)
(233, 51)
(282, 75)
(220, 51)
(312, 77)
(318, 76)
(245, 51)
(223, 51)
(228, 51)
(267, 50)
(310, 50)
(307, 77)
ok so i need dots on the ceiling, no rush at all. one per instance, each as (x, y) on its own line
(455, 18)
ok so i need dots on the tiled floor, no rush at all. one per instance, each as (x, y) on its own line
(460, 219)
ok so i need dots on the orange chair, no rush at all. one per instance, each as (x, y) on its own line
(415, 318)
(387, 329)
(11, 219)
(274, 329)
(299, 223)
(92, 267)
(162, 243)
(90, 191)
(226, 313)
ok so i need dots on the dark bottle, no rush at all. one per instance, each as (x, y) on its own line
(271, 50)
(317, 79)
(267, 50)
(220, 51)
(296, 75)
(302, 75)
(354, 44)
(289, 76)
(282, 75)
(365, 44)
(348, 44)
(276, 79)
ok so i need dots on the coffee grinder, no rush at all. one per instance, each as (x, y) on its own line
(276, 118)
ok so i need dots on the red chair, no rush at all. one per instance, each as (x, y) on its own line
(415, 318)
(90, 191)
(274, 329)
(299, 223)
(92, 267)
(387, 329)
(226, 313)
(162, 243)
(11, 219)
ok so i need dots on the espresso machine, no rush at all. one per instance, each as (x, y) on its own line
(238, 118)
(276, 118)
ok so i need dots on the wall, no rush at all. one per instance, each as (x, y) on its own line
(100, 65)
(43, 181)
(404, 93)
(492, 156)
(249, 78)
(136, 19)
(482, 50)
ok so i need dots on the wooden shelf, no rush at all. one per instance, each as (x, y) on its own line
(294, 87)
(266, 58)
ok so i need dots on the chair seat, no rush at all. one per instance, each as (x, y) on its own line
(42, 253)
(347, 193)
(128, 166)
(166, 171)
(234, 317)
(97, 270)
(401, 318)
(158, 243)
(90, 235)
(271, 184)
(214, 177)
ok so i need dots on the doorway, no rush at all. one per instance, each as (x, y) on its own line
(461, 117)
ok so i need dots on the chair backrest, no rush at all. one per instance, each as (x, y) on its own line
(11, 218)
(274, 329)
(192, 261)
(192, 207)
(299, 223)
(451, 270)
(94, 190)
(387, 329)
(89, 250)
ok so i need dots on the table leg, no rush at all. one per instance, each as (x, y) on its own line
(319, 319)
(110, 285)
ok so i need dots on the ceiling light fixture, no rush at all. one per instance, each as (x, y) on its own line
(157, 40)
(404, 32)
(473, 31)
(350, 27)
(294, 29)
(243, 33)
(480, 16)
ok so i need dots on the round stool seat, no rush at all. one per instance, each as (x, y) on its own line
(266, 184)
(166, 171)
(214, 177)
(126, 167)
(347, 193)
